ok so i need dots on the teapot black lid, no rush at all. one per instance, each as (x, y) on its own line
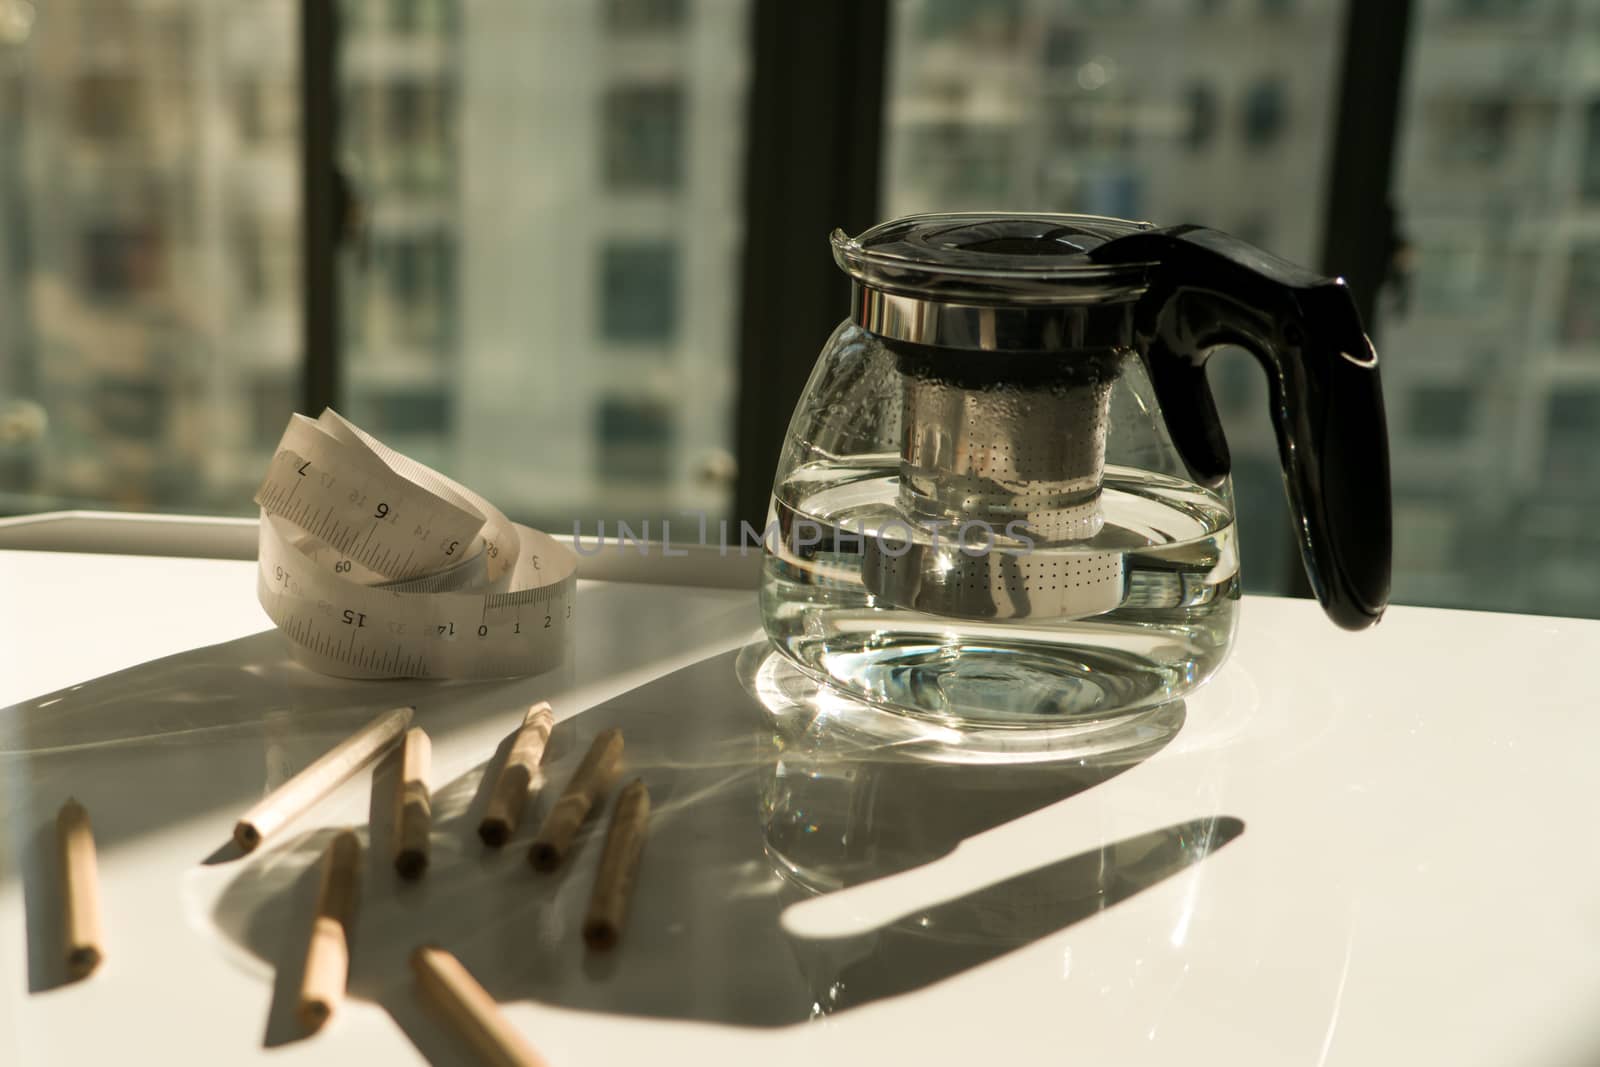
(992, 258)
(1016, 242)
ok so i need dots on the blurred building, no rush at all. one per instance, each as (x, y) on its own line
(1492, 336)
(539, 288)
(544, 290)
(149, 195)
(602, 148)
(540, 292)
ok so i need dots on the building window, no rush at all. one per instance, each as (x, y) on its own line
(1441, 414)
(1580, 318)
(402, 412)
(417, 298)
(107, 105)
(122, 261)
(963, 164)
(1266, 110)
(1491, 9)
(271, 400)
(265, 111)
(1064, 47)
(1474, 131)
(1589, 177)
(134, 407)
(644, 138)
(980, 23)
(1203, 109)
(644, 16)
(639, 292)
(422, 17)
(634, 440)
(1571, 461)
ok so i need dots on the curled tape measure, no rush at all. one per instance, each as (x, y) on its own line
(375, 566)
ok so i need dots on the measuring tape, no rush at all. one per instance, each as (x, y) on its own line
(375, 566)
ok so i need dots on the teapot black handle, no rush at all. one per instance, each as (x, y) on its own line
(1209, 289)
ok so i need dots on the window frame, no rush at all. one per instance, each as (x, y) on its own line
(813, 162)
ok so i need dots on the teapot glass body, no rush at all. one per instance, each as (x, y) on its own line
(1022, 548)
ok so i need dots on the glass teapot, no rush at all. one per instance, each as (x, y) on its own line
(1003, 500)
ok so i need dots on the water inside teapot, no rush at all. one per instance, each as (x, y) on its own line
(1164, 627)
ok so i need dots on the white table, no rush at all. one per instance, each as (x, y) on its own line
(1414, 881)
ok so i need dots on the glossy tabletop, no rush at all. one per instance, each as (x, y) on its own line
(1355, 849)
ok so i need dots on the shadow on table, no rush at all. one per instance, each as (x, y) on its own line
(213, 729)
(748, 821)
(161, 742)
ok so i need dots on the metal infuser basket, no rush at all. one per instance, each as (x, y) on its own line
(1002, 464)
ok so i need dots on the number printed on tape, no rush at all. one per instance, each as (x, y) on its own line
(375, 566)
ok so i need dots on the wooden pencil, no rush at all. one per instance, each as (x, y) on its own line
(328, 954)
(83, 937)
(470, 1010)
(619, 864)
(413, 805)
(589, 783)
(510, 792)
(333, 768)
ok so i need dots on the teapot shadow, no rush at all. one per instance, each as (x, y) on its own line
(747, 822)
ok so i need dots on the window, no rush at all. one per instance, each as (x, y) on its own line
(1440, 413)
(634, 441)
(544, 253)
(1580, 318)
(403, 413)
(1589, 182)
(579, 224)
(268, 398)
(643, 137)
(148, 183)
(1265, 112)
(1492, 172)
(1202, 105)
(645, 16)
(639, 292)
(1571, 458)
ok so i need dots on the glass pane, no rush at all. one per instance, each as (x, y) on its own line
(1216, 112)
(544, 296)
(1491, 329)
(149, 295)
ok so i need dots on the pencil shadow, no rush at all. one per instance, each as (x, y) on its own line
(931, 944)
(226, 852)
(432, 1040)
(283, 924)
(213, 728)
(381, 828)
(750, 819)
(43, 893)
